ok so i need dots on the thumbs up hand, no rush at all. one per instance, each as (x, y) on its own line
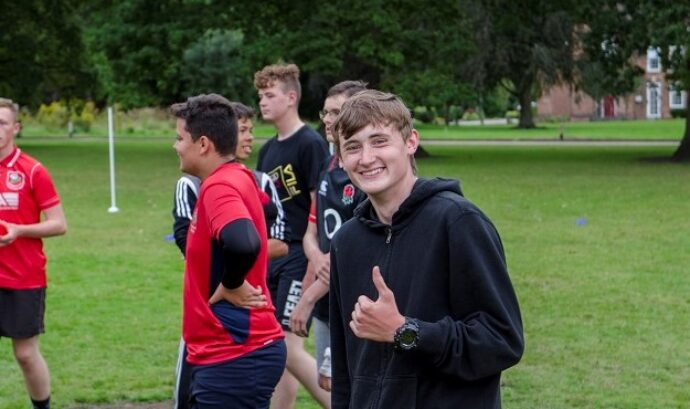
(376, 320)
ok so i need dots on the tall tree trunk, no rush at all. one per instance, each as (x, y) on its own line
(682, 154)
(525, 98)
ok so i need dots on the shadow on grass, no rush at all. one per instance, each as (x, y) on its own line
(664, 159)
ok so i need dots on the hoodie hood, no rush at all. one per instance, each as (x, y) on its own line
(423, 190)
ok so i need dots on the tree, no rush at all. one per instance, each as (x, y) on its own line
(136, 46)
(41, 53)
(620, 31)
(335, 41)
(146, 53)
(522, 46)
(214, 63)
(434, 44)
(407, 47)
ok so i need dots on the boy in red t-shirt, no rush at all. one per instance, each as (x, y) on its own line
(26, 192)
(233, 339)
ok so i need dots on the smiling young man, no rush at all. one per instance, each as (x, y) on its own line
(293, 159)
(336, 200)
(232, 338)
(423, 313)
(26, 192)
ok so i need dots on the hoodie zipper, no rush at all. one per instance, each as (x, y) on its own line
(385, 355)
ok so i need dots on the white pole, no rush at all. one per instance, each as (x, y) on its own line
(111, 142)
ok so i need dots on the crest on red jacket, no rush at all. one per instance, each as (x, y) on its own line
(15, 180)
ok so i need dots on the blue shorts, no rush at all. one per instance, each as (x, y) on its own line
(243, 383)
(285, 277)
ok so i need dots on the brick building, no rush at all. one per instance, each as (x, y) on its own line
(654, 98)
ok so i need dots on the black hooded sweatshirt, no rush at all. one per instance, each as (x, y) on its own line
(444, 262)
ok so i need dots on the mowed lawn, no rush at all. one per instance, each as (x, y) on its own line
(663, 129)
(597, 242)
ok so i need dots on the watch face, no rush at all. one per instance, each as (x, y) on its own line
(407, 337)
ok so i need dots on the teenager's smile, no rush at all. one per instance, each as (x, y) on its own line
(372, 172)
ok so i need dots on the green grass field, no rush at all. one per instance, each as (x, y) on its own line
(596, 239)
(156, 124)
(666, 129)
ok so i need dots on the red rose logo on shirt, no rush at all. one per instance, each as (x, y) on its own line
(15, 180)
(348, 194)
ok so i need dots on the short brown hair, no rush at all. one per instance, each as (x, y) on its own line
(243, 111)
(347, 88)
(372, 107)
(11, 105)
(210, 115)
(286, 74)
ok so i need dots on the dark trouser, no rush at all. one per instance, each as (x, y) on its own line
(243, 383)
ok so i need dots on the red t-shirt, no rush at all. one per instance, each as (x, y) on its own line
(222, 332)
(26, 189)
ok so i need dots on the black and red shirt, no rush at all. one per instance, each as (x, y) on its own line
(223, 331)
(336, 200)
(26, 190)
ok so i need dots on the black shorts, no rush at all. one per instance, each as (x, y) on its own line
(285, 277)
(21, 312)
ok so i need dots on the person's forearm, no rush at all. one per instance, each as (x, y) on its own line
(277, 248)
(309, 277)
(310, 243)
(46, 228)
(315, 292)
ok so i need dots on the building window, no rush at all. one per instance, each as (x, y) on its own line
(676, 98)
(653, 99)
(653, 61)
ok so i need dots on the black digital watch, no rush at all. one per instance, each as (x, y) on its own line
(407, 336)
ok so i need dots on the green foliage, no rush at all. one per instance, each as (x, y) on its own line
(58, 114)
(214, 63)
(528, 43)
(423, 114)
(400, 47)
(454, 113)
(620, 32)
(139, 53)
(470, 115)
(137, 46)
(41, 56)
(495, 103)
(54, 115)
(85, 117)
(144, 122)
(435, 44)
(678, 113)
